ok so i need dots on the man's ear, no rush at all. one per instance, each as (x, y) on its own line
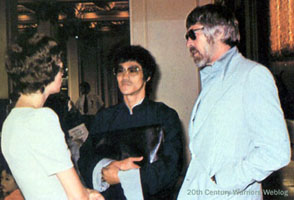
(219, 34)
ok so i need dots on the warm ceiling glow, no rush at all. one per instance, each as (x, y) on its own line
(91, 15)
(124, 14)
(93, 24)
(282, 26)
(24, 18)
(61, 17)
(22, 26)
(78, 8)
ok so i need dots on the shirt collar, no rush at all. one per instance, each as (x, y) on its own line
(137, 104)
(220, 66)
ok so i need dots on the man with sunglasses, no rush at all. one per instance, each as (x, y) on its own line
(134, 68)
(237, 130)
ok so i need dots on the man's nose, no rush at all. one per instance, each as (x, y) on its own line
(125, 74)
(189, 42)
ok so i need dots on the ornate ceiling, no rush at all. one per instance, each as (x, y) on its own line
(101, 15)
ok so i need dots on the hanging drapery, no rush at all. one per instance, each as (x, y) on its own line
(282, 27)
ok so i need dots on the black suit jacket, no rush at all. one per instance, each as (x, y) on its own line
(157, 179)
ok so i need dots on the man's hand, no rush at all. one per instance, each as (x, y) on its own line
(110, 174)
(128, 163)
(213, 179)
(94, 195)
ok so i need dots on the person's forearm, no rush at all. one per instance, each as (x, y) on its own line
(72, 185)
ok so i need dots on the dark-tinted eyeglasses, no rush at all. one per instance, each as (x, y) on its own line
(132, 70)
(192, 33)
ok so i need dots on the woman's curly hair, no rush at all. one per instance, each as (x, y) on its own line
(32, 62)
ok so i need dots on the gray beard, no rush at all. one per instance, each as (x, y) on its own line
(200, 62)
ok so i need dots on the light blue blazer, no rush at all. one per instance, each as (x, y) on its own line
(237, 132)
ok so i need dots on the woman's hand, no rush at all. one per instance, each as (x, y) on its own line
(94, 195)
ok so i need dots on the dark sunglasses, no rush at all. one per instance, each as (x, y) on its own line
(132, 70)
(192, 33)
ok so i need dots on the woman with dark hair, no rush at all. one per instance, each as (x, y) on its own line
(32, 141)
(10, 190)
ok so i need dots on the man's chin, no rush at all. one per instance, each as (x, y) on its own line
(125, 92)
(199, 63)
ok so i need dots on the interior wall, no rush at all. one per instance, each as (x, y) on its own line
(159, 26)
(7, 32)
(3, 41)
(89, 58)
(73, 69)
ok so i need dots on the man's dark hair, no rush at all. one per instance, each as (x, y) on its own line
(32, 62)
(138, 54)
(214, 16)
(85, 86)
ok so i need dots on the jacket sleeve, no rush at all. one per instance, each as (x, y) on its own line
(164, 173)
(268, 132)
(88, 157)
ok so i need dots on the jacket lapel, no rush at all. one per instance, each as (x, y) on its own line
(205, 106)
(207, 102)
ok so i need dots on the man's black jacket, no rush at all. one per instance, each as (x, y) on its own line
(157, 179)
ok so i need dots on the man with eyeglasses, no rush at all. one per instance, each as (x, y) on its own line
(134, 68)
(237, 130)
